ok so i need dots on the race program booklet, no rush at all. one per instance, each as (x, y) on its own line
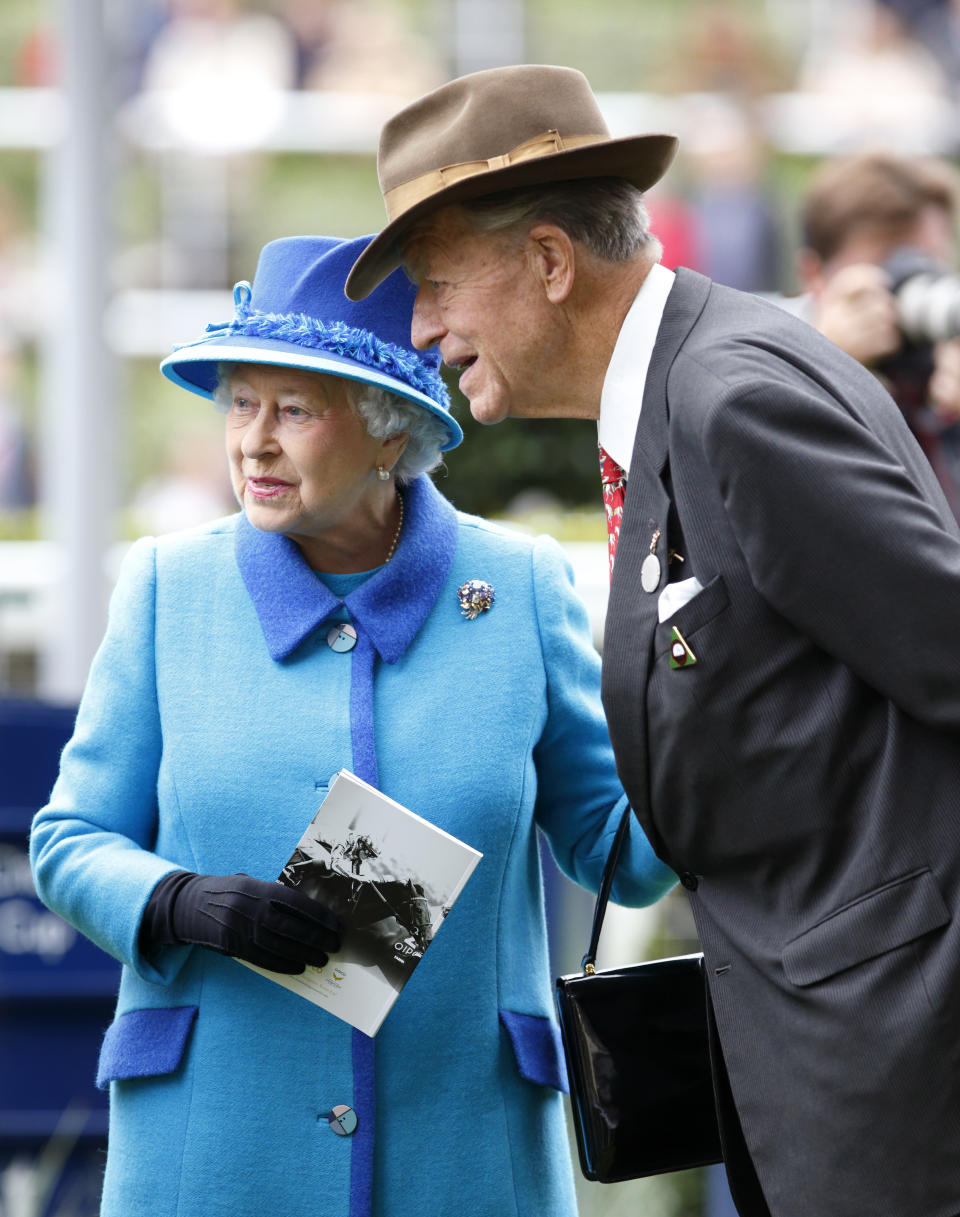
(391, 877)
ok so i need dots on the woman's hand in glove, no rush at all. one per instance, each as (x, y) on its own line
(266, 923)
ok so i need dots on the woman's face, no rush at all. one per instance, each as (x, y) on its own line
(301, 461)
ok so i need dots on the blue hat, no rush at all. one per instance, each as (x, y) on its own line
(296, 315)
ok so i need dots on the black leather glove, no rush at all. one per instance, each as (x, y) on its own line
(269, 924)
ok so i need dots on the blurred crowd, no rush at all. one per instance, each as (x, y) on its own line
(352, 45)
(814, 224)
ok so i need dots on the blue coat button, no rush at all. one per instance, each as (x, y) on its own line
(343, 1120)
(342, 638)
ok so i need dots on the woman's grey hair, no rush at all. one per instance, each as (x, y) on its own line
(383, 414)
(606, 214)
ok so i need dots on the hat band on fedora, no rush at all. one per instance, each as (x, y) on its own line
(335, 337)
(408, 194)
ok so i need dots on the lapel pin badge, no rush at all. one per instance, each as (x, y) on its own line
(650, 568)
(475, 597)
(680, 654)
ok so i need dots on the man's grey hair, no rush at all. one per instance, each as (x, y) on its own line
(383, 414)
(606, 214)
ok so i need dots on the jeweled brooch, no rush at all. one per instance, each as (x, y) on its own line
(475, 597)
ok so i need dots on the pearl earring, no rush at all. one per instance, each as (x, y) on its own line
(383, 474)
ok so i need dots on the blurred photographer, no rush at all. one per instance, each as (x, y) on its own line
(879, 241)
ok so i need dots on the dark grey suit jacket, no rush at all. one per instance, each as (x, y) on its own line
(803, 776)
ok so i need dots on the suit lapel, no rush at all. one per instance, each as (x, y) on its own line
(684, 305)
(632, 612)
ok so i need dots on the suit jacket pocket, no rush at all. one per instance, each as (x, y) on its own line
(704, 606)
(537, 1048)
(145, 1043)
(889, 917)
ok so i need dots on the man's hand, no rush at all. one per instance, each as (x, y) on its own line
(944, 387)
(857, 311)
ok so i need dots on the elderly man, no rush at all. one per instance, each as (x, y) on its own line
(781, 671)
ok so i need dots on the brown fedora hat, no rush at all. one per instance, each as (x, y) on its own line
(490, 131)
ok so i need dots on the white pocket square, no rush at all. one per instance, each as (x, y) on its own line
(675, 595)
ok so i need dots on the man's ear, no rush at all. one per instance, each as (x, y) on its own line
(552, 258)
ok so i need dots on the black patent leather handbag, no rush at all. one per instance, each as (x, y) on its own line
(638, 1059)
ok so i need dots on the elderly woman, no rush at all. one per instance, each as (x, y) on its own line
(245, 663)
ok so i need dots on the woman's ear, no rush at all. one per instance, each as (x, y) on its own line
(552, 258)
(391, 448)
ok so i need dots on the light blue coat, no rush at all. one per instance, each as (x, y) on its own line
(213, 719)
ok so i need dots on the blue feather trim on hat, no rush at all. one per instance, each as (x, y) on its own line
(336, 337)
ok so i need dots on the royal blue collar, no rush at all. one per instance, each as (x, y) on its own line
(391, 606)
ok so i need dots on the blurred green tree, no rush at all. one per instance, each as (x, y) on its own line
(495, 466)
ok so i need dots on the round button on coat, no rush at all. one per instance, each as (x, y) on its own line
(343, 1120)
(342, 638)
(689, 880)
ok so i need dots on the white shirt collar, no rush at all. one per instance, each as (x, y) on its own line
(622, 394)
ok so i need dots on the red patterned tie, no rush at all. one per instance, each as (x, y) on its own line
(614, 486)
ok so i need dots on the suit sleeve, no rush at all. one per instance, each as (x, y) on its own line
(580, 800)
(843, 539)
(91, 846)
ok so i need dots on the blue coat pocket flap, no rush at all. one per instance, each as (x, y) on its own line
(537, 1048)
(877, 922)
(144, 1043)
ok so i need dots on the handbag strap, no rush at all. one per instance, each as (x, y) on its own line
(603, 895)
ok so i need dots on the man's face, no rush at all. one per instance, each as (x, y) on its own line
(479, 297)
(931, 233)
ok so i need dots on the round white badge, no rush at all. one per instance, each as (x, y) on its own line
(650, 573)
